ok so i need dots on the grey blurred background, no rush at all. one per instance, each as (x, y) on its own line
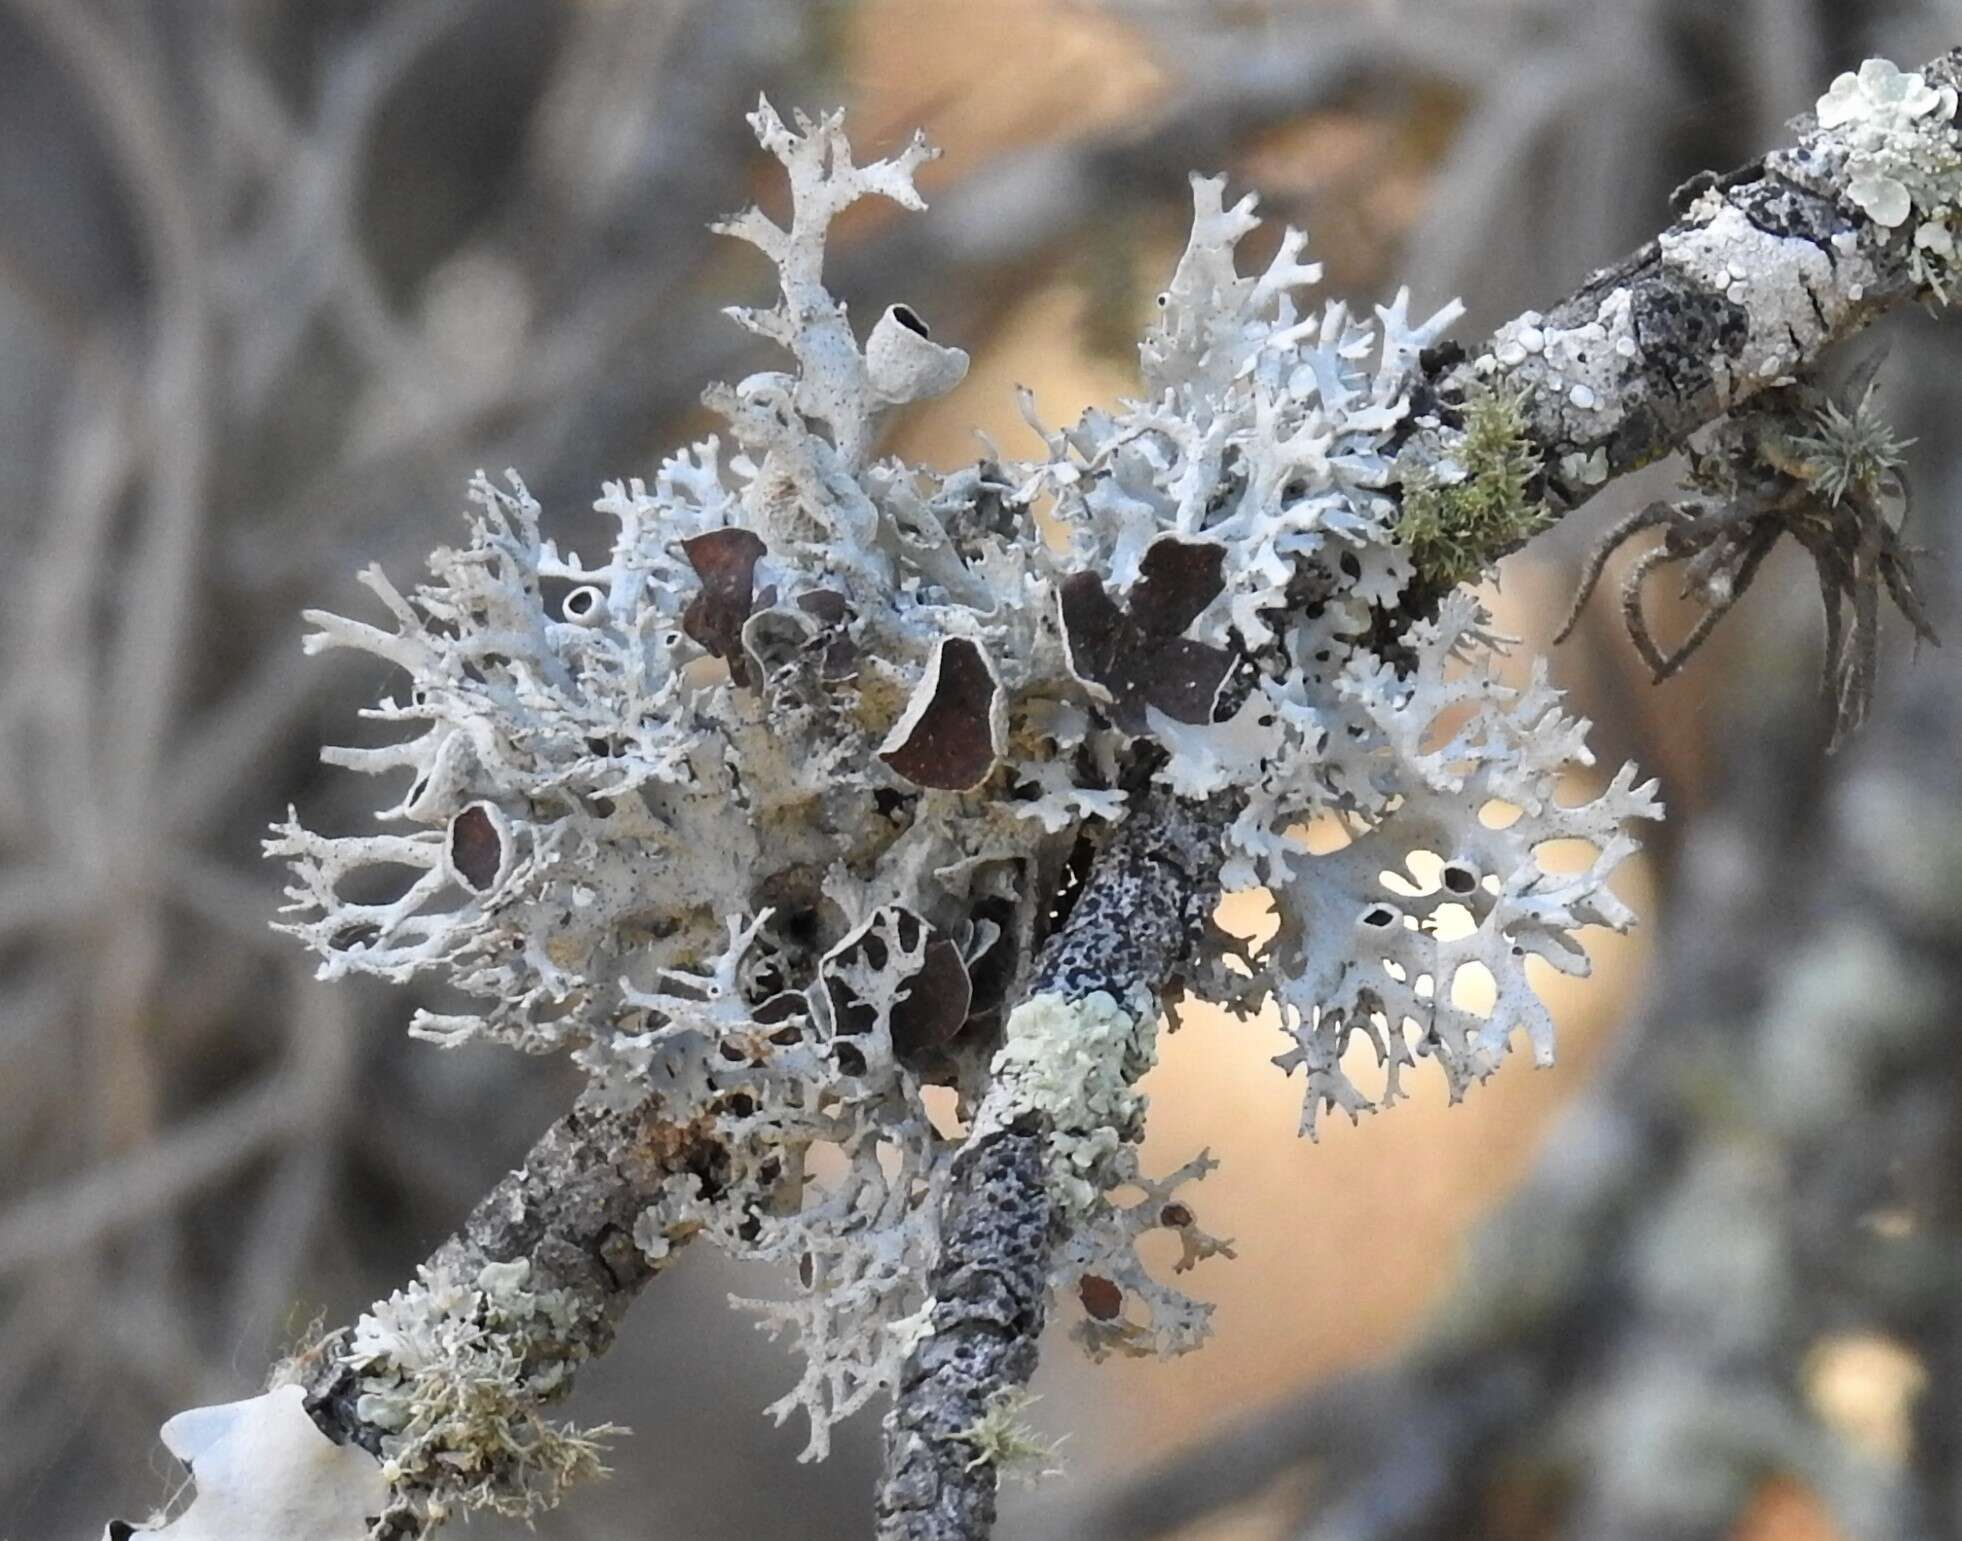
(277, 275)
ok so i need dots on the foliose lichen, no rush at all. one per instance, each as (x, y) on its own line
(1904, 156)
(766, 813)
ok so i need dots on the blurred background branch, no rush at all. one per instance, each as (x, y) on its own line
(274, 279)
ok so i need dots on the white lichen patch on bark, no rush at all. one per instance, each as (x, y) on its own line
(1575, 372)
(1073, 1063)
(1779, 282)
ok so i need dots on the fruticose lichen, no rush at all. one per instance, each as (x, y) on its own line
(1002, 1439)
(767, 812)
(454, 1372)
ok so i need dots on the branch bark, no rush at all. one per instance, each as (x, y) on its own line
(1765, 269)
(1793, 1077)
(1150, 887)
(1701, 344)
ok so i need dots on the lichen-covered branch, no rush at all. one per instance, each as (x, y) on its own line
(435, 1400)
(445, 1381)
(1765, 268)
(1060, 1108)
(1758, 1183)
(773, 815)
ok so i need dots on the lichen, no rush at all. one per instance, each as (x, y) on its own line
(454, 1373)
(1004, 1440)
(1797, 463)
(1904, 157)
(767, 813)
(1899, 131)
(1851, 450)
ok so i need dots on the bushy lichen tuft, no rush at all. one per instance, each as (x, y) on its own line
(1003, 1440)
(1455, 530)
(1852, 451)
(452, 1372)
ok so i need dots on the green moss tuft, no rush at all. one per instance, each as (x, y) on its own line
(1455, 531)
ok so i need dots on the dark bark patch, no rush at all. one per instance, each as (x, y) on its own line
(1688, 327)
(1783, 209)
(725, 561)
(1137, 653)
(946, 738)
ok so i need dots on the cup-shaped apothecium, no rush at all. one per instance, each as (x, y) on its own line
(904, 363)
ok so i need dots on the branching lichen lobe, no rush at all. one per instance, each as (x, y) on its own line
(776, 817)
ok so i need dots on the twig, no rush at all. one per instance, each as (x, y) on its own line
(1008, 1161)
(1605, 1291)
(568, 1213)
(1694, 351)
(1149, 889)
(1652, 348)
